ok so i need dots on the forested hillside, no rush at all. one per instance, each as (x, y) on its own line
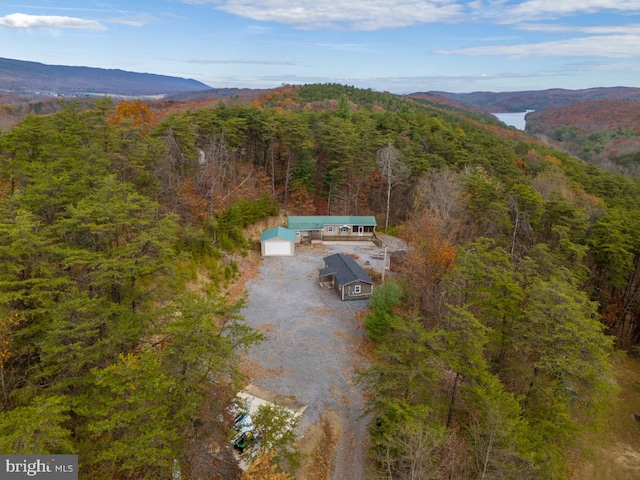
(492, 346)
(14, 108)
(500, 102)
(605, 133)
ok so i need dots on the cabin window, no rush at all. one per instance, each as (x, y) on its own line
(357, 289)
(330, 229)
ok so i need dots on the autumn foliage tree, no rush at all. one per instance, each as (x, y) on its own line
(133, 112)
(264, 468)
(429, 257)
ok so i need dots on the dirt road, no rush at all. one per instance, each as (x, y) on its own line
(312, 350)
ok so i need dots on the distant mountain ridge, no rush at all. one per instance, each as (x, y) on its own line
(605, 133)
(498, 102)
(32, 78)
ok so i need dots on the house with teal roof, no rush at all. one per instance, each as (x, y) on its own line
(323, 228)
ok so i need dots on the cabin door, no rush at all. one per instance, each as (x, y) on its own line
(360, 231)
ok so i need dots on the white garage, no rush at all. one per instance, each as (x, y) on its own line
(278, 241)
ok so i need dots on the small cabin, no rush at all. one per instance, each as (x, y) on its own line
(347, 277)
(311, 229)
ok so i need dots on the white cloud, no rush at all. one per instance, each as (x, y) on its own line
(44, 22)
(613, 46)
(381, 14)
(512, 12)
(633, 28)
(351, 14)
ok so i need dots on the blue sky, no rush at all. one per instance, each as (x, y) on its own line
(401, 46)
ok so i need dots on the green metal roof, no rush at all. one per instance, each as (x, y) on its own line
(318, 222)
(278, 232)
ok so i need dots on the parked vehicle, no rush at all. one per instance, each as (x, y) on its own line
(242, 436)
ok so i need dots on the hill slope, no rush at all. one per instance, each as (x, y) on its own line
(602, 132)
(31, 78)
(496, 102)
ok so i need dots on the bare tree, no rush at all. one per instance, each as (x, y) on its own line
(411, 454)
(441, 195)
(393, 170)
(214, 170)
(441, 192)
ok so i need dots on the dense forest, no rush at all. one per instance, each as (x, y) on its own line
(492, 345)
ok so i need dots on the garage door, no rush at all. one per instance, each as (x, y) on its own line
(277, 247)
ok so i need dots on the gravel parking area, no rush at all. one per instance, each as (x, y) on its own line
(311, 347)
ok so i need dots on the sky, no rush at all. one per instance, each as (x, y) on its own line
(400, 46)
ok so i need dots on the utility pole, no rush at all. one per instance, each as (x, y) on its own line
(384, 264)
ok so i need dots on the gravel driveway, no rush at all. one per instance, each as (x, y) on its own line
(310, 351)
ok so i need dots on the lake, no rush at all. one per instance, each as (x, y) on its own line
(513, 119)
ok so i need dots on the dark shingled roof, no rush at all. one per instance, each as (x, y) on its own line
(345, 269)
